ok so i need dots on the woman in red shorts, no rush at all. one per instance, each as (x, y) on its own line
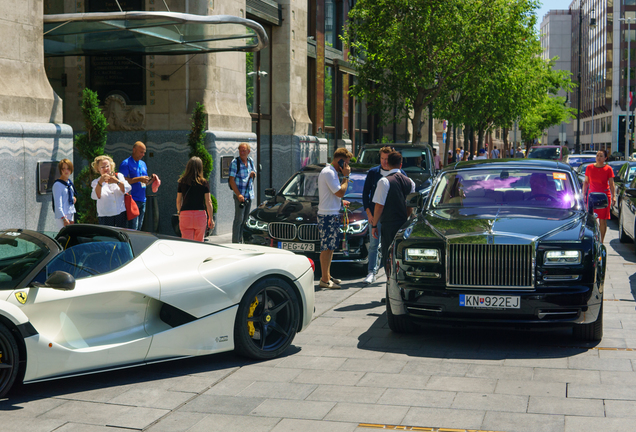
(600, 178)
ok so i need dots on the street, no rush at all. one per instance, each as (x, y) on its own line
(348, 372)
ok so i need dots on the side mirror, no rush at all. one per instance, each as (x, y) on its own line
(630, 193)
(60, 280)
(597, 200)
(270, 192)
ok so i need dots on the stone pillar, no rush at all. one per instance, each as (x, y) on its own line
(290, 118)
(30, 112)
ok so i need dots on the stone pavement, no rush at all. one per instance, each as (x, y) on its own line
(348, 369)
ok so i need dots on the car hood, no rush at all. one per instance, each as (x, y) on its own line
(300, 210)
(501, 224)
(421, 179)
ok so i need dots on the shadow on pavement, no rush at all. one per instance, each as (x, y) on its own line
(472, 343)
(216, 365)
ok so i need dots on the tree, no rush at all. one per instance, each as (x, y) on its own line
(89, 145)
(196, 141)
(409, 52)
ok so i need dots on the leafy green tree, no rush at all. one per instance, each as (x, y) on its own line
(89, 145)
(410, 52)
(196, 141)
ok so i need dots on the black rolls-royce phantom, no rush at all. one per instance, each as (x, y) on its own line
(501, 242)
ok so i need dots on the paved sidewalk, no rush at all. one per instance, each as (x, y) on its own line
(349, 369)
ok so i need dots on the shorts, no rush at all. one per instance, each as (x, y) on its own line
(329, 229)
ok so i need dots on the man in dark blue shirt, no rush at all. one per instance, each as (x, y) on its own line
(136, 173)
(370, 184)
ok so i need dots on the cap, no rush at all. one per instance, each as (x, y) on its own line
(482, 151)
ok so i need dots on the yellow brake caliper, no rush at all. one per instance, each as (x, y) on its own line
(250, 324)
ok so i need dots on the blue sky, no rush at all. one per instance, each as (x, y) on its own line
(550, 4)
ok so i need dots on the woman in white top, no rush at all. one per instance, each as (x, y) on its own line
(108, 190)
(64, 195)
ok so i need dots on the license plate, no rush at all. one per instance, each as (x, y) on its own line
(489, 301)
(293, 246)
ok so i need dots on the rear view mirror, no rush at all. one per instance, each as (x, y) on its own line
(270, 192)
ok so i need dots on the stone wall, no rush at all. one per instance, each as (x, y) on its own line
(22, 146)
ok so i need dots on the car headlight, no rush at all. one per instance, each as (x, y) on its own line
(562, 257)
(255, 224)
(421, 255)
(355, 227)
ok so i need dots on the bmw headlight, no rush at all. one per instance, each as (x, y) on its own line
(355, 227)
(562, 257)
(255, 224)
(421, 255)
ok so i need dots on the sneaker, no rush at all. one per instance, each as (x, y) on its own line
(370, 278)
(336, 281)
(329, 285)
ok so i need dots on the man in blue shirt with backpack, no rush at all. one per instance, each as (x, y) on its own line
(371, 182)
(241, 182)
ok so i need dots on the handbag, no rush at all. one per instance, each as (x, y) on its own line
(132, 211)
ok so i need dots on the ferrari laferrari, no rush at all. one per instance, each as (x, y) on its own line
(94, 298)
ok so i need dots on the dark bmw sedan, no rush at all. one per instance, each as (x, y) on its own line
(498, 243)
(288, 219)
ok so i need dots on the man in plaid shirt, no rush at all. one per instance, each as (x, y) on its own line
(241, 181)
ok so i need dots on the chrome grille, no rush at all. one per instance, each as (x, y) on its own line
(485, 265)
(308, 232)
(282, 230)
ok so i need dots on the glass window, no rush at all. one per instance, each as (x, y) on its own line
(505, 187)
(91, 259)
(19, 254)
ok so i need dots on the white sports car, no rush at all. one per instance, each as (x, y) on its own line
(97, 298)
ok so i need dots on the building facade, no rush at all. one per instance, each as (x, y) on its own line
(599, 38)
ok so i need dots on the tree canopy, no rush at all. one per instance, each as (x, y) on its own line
(409, 53)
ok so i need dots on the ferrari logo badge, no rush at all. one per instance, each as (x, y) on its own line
(21, 296)
(268, 318)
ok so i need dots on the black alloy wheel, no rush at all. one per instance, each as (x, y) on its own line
(9, 360)
(267, 319)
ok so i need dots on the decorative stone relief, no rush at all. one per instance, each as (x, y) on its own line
(122, 117)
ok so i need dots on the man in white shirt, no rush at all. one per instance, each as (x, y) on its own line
(482, 154)
(330, 193)
(390, 203)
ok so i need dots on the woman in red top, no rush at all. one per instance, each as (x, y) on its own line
(600, 178)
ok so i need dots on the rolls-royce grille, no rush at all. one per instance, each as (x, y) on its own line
(497, 266)
(282, 230)
(308, 232)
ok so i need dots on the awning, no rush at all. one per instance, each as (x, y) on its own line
(150, 33)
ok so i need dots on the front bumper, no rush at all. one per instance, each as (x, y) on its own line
(576, 304)
(356, 250)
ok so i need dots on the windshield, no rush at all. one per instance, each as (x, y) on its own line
(545, 153)
(413, 159)
(303, 184)
(575, 161)
(19, 254)
(504, 187)
(356, 185)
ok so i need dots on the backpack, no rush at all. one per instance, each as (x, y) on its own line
(238, 160)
